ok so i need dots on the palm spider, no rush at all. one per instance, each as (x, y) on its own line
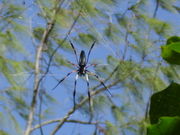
(82, 71)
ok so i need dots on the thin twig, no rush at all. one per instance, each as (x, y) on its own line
(69, 121)
(40, 109)
(156, 9)
(126, 45)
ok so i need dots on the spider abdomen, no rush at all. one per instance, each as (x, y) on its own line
(82, 59)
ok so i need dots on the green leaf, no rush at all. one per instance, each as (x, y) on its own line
(99, 104)
(38, 32)
(173, 39)
(171, 51)
(165, 103)
(111, 129)
(165, 126)
(167, 5)
(64, 44)
(160, 27)
(87, 38)
(88, 7)
(9, 68)
(3, 132)
(177, 8)
(118, 113)
(175, 47)
(112, 31)
(64, 19)
(108, 1)
(10, 42)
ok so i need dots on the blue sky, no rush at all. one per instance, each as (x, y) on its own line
(63, 93)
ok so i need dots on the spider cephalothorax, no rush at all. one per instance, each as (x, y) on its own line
(82, 65)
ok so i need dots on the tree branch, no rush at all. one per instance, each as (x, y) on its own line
(63, 120)
(37, 71)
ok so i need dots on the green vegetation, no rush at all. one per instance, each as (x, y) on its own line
(138, 52)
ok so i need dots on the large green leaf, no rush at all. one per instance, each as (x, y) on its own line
(165, 103)
(173, 39)
(171, 51)
(165, 126)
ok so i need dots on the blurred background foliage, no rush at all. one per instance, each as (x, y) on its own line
(129, 36)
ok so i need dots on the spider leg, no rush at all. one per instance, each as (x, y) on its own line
(90, 51)
(91, 65)
(89, 97)
(97, 77)
(72, 63)
(94, 65)
(74, 51)
(60, 81)
(74, 92)
(89, 94)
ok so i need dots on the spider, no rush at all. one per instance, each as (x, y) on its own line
(82, 65)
